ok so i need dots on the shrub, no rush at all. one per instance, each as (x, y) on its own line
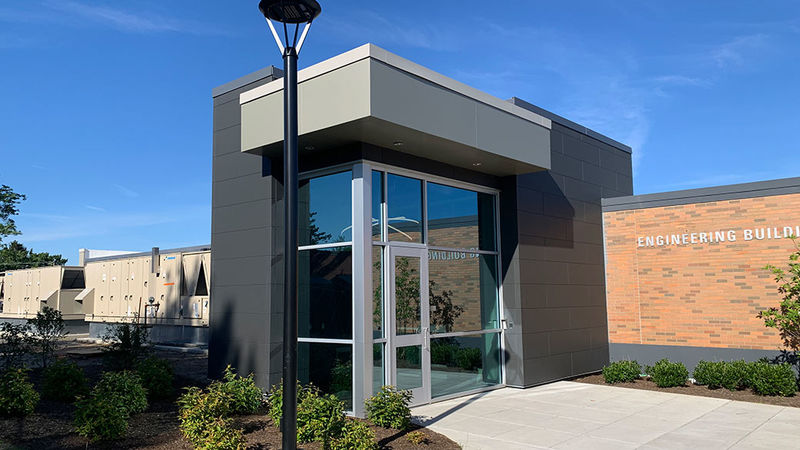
(320, 417)
(710, 374)
(17, 396)
(355, 436)
(389, 408)
(48, 330)
(13, 344)
(63, 381)
(123, 387)
(245, 397)
(156, 375)
(773, 379)
(127, 343)
(668, 374)
(197, 410)
(222, 435)
(100, 418)
(622, 371)
(417, 437)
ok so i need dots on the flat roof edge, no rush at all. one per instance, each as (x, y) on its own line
(196, 248)
(569, 124)
(755, 189)
(260, 74)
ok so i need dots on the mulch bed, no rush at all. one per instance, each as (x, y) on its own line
(50, 427)
(702, 391)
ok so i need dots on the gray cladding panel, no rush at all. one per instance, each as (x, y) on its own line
(559, 252)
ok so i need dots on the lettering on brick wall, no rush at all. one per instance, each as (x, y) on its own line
(712, 237)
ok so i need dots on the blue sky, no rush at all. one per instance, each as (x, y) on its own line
(106, 106)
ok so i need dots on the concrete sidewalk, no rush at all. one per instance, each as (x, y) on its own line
(569, 415)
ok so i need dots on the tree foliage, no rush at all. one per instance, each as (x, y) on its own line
(8, 208)
(786, 316)
(14, 256)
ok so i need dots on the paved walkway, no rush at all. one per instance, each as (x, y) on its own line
(584, 416)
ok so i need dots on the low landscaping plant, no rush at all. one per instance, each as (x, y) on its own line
(320, 417)
(665, 373)
(773, 379)
(389, 408)
(622, 372)
(127, 344)
(733, 375)
(123, 387)
(17, 395)
(100, 418)
(14, 345)
(157, 377)
(204, 415)
(63, 381)
(417, 437)
(355, 436)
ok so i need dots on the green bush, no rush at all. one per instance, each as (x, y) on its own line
(245, 396)
(389, 408)
(127, 343)
(275, 400)
(355, 436)
(320, 417)
(123, 387)
(773, 379)
(417, 438)
(197, 410)
(17, 396)
(622, 371)
(222, 435)
(733, 375)
(14, 344)
(100, 418)
(63, 381)
(156, 375)
(668, 374)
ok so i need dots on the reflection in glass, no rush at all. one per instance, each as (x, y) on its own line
(458, 218)
(377, 200)
(324, 209)
(462, 291)
(377, 292)
(325, 286)
(409, 367)
(377, 368)
(404, 198)
(407, 309)
(464, 363)
(328, 367)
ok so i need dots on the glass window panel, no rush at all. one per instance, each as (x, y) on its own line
(378, 371)
(462, 291)
(407, 308)
(377, 200)
(328, 367)
(377, 292)
(324, 209)
(409, 367)
(459, 218)
(464, 363)
(325, 299)
(404, 198)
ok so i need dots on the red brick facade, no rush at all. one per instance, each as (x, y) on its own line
(693, 275)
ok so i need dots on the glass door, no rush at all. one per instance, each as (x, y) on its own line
(409, 309)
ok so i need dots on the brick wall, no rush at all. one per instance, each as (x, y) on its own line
(707, 291)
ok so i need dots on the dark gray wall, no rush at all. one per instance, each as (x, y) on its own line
(648, 354)
(553, 268)
(245, 319)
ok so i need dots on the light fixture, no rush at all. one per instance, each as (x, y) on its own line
(398, 143)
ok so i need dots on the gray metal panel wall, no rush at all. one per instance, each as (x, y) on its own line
(553, 268)
(245, 317)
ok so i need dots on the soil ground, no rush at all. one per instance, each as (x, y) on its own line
(50, 427)
(703, 391)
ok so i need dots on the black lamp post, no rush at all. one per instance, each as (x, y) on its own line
(290, 12)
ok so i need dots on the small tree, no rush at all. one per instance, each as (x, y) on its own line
(14, 344)
(48, 331)
(786, 316)
(127, 344)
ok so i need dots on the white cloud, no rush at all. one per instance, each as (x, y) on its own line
(130, 193)
(736, 51)
(364, 25)
(95, 208)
